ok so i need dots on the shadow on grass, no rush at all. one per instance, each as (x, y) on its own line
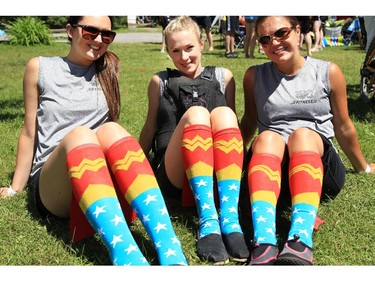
(10, 109)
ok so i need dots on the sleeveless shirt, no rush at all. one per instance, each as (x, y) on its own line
(285, 103)
(69, 96)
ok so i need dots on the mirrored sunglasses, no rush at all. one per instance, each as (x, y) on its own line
(280, 35)
(90, 33)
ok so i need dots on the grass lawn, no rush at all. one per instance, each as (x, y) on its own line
(346, 237)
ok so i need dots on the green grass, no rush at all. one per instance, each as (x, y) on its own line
(346, 238)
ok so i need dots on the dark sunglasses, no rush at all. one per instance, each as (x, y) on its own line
(90, 33)
(280, 35)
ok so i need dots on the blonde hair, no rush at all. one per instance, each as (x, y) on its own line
(182, 23)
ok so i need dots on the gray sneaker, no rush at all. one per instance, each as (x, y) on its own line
(295, 253)
(264, 254)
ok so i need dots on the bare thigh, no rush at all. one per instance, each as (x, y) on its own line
(54, 183)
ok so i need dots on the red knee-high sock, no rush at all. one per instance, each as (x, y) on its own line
(94, 191)
(305, 181)
(228, 162)
(197, 153)
(264, 179)
(137, 182)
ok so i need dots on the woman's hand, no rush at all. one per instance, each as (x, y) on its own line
(6, 191)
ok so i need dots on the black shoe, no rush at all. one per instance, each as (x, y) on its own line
(236, 247)
(295, 253)
(264, 254)
(211, 248)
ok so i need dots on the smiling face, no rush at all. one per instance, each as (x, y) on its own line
(186, 51)
(185, 46)
(83, 51)
(279, 49)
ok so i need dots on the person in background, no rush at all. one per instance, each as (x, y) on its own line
(79, 155)
(205, 23)
(317, 28)
(231, 26)
(298, 104)
(305, 37)
(164, 20)
(192, 129)
(250, 37)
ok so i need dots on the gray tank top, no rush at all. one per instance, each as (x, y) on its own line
(69, 96)
(285, 103)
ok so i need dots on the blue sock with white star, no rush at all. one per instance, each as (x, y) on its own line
(136, 180)
(197, 152)
(94, 191)
(228, 159)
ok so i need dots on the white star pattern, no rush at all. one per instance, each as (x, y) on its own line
(131, 248)
(146, 218)
(206, 206)
(271, 211)
(214, 216)
(224, 198)
(175, 240)
(260, 239)
(99, 210)
(160, 226)
(207, 224)
(101, 232)
(117, 220)
(158, 244)
(299, 220)
(118, 206)
(209, 194)
(235, 225)
(164, 211)
(295, 211)
(169, 253)
(197, 197)
(201, 183)
(269, 230)
(225, 220)
(115, 240)
(149, 199)
(304, 231)
(233, 187)
(261, 219)
(312, 212)
(233, 210)
(255, 209)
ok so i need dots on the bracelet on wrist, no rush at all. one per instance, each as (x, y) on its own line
(368, 169)
(11, 191)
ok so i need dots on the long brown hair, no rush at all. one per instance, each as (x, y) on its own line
(107, 70)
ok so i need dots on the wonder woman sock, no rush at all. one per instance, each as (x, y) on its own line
(228, 159)
(197, 153)
(264, 178)
(93, 188)
(137, 182)
(305, 182)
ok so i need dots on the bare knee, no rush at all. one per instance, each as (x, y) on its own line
(269, 142)
(223, 117)
(196, 115)
(109, 133)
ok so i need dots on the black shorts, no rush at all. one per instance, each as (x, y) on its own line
(167, 188)
(203, 21)
(33, 184)
(334, 171)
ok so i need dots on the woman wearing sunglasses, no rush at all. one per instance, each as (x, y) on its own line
(298, 104)
(83, 164)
